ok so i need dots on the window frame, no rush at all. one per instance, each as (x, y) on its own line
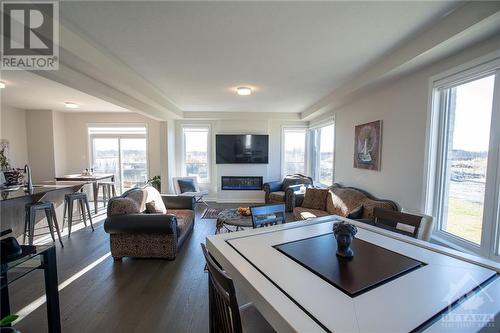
(118, 136)
(436, 156)
(209, 150)
(315, 134)
(294, 128)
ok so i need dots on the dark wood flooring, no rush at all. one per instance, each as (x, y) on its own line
(135, 295)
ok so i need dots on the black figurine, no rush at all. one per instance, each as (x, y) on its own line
(344, 233)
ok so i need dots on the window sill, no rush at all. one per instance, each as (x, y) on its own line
(436, 238)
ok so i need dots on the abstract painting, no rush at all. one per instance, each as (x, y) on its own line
(367, 145)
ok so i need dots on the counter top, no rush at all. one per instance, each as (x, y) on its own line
(39, 189)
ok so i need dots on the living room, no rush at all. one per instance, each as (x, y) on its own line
(268, 132)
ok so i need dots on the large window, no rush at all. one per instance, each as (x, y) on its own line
(294, 151)
(466, 179)
(122, 151)
(196, 148)
(323, 154)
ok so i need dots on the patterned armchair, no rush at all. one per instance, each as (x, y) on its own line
(284, 191)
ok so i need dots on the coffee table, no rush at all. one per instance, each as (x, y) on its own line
(231, 217)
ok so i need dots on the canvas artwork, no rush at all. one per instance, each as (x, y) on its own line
(367, 145)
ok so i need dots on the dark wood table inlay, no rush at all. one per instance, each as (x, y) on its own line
(371, 266)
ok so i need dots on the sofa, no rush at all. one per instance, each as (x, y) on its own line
(144, 223)
(347, 202)
(284, 191)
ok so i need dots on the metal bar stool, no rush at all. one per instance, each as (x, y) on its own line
(83, 204)
(30, 219)
(107, 189)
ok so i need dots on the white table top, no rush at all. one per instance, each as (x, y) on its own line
(292, 298)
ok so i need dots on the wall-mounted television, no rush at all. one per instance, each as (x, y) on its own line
(241, 149)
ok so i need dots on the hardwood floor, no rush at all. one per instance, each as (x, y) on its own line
(100, 295)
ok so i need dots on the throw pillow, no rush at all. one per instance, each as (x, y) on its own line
(356, 213)
(151, 208)
(122, 206)
(154, 197)
(186, 185)
(315, 198)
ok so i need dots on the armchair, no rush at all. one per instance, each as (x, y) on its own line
(285, 191)
(196, 192)
(144, 223)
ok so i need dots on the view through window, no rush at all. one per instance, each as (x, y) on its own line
(294, 151)
(469, 122)
(196, 153)
(325, 137)
(121, 151)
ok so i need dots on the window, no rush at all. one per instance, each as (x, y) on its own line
(196, 147)
(294, 151)
(323, 154)
(121, 151)
(466, 181)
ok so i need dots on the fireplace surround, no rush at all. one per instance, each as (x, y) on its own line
(241, 183)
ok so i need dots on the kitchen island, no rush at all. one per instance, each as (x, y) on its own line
(13, 200)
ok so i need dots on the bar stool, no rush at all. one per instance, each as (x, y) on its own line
(82, 201)
(30, 218)
(107, 189)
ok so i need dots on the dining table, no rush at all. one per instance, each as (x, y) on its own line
(89, 178)
(393, 283)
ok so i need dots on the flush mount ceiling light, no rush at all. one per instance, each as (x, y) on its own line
(71, 105)
(244, 91)
(2, 84)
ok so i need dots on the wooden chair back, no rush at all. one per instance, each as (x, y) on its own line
(224, 313)
(403, 223)
(267, 215)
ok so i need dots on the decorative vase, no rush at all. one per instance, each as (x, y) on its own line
(344, 233)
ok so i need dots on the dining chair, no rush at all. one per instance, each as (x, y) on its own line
(224, 313)
(268, 215)
(414, 225)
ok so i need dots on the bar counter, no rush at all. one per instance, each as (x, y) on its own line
(13, 200)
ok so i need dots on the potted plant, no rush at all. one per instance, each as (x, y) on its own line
(5, 322)
(155, 182)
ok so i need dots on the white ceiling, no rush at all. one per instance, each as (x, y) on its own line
(291, 53)
(26, 90)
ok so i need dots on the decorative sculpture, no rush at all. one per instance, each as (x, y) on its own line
(344, 233)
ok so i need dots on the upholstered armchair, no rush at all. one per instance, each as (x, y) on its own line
(285, 191)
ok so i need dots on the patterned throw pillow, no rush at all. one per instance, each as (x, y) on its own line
(315, 198)
(122, 206)
(151, 208)
(154, 202)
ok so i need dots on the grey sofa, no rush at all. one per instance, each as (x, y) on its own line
(284, 191)
(144, 223)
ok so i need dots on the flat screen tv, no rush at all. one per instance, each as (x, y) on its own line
(242, 148)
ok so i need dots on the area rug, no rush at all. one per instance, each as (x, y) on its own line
(212, 213)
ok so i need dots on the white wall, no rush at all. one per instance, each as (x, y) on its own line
(13, 128)
(59, 130)
(269, 172)
(402, 105)
(40, 131)
(77, 139)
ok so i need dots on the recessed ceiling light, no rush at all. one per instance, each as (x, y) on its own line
(244, 91)
(2, 84)
(71, 105)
